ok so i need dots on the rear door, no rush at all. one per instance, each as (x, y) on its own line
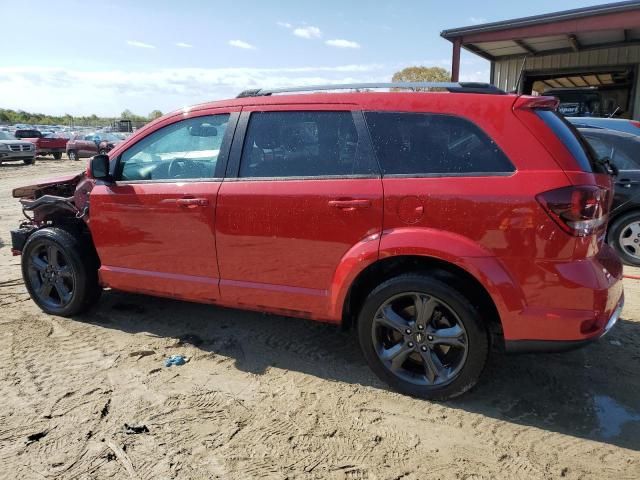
(154, 227)
(302, 189)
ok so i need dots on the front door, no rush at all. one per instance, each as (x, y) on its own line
(153, 227)
(306, 191)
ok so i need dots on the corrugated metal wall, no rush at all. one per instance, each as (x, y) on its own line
(506, 72)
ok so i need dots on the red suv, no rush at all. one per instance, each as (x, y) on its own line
(438, 224)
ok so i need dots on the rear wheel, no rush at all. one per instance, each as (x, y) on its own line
(624, 237)
(422, 337)
(73, 155)
(57, 155)
(60, 272)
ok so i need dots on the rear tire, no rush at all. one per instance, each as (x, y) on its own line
(624, 237)
(422, 337)
(57, 155)
(73, 155)
(60, 272)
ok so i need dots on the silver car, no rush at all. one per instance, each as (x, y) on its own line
(13, 149)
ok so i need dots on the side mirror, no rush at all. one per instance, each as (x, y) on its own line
(99, 167)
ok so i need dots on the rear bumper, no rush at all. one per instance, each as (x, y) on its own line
(554, 346)
(566, 303)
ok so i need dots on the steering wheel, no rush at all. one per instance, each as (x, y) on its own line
(177, 168)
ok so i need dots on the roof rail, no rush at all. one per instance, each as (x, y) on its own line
(455, 87)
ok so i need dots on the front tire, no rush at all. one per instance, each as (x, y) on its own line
(73, 155)
(422, 337)
(60, 272)
(57, 155)
(29, 161)
(624, 237)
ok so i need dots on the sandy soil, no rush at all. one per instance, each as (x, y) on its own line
(274, 397)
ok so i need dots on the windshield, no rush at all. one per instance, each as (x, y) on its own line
(6, 136)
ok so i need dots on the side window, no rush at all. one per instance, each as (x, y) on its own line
(187, 149)
(601, 148)
(303, 144)
(422, 143)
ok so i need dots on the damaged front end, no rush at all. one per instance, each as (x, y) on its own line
(62, 201)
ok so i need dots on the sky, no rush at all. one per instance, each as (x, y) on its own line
(84, 56)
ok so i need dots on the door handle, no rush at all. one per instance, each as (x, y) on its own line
(626, 182)
(192, 202)
(350, 204)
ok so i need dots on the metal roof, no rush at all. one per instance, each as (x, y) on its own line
(571, 30)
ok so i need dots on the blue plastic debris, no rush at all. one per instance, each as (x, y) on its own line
(176, 360)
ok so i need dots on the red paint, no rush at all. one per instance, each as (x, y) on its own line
(296, 246)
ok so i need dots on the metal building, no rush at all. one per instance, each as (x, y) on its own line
(594, 51)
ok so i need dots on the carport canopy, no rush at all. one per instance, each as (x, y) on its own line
(609, 25)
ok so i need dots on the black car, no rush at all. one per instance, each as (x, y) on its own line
(624, 152)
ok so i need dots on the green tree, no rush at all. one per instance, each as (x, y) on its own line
(127, 114)
(422, 74)
(155, 114)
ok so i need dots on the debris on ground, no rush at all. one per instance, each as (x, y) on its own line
(617, 343)
(35, 437)
(189, 339)
(175, 360)
(135, 429)
(142, 353)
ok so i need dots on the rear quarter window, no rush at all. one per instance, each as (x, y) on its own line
(581, 151)
(433, 144)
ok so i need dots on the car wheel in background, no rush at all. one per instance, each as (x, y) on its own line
(57, 155)
(72, 154)
(422, 337)
(624, 237)
(29, 161)
(60, 272)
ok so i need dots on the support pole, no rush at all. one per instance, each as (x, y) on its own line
(455, 60)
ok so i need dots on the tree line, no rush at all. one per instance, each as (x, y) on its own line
(10, 117)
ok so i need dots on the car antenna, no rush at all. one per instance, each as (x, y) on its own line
(517, 87)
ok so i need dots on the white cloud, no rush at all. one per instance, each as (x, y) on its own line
(135, 43)
(241, 44)
(340, 43)
(477, 20)
(284, 24)
(307, 32)
(184, 45)
(108, 92)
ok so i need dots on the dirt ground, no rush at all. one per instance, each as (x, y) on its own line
(274, 397)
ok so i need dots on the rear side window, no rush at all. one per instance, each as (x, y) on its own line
(571, 138)
(303, 144)
(423, 144)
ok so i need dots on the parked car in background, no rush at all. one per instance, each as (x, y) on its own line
(623, 150)
(433, 228)
(45, 143)
(619, 124)
(21, 133)
(88, 145)
(13, 149)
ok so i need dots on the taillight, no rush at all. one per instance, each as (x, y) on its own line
(580, 211)
(635, 123)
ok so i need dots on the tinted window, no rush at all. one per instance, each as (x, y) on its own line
(184, 150)
(575, 143)
(421, 143)
(624, 152)
(303, 144)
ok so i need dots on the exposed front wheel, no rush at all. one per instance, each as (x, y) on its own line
(624, 237)
(59, 272)
(73, 155)
(422, 337)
